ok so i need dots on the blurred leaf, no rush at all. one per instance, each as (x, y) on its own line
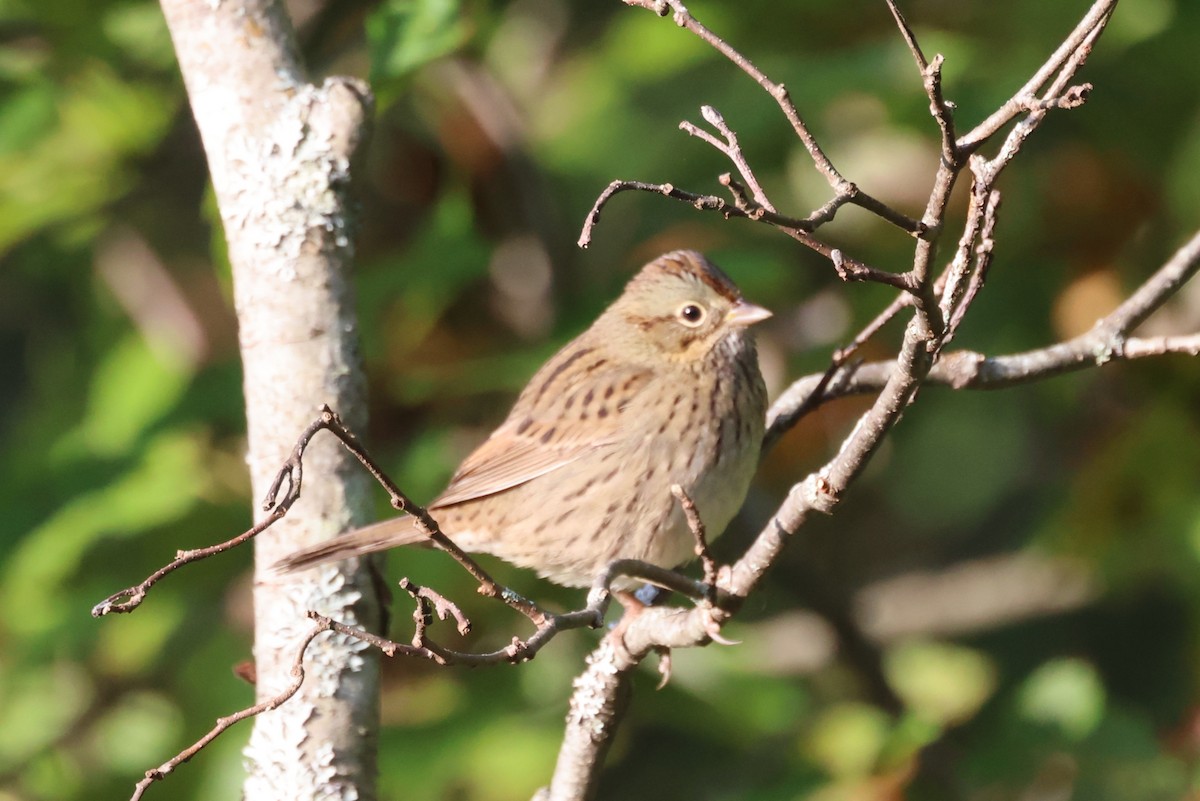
(39, 707)
(125, 649)
(848, 738)
(940, 682)
(725, 693)
(405, 297)
(80, 164)
(25, 117)
(510, 758)
(1123, 761)
(958, 456)
(1066, 693)
(1131, 508)
(133, 387)
(1185, 194)
(642, 50)
(141, 32)
(158, 490)
(405, 34)
(132, 734)
(1138, 20)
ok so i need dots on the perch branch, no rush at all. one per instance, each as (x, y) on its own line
(926, 332)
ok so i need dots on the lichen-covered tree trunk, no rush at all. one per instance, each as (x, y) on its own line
(279, 150)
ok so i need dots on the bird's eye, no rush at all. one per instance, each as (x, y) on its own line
(691, 314)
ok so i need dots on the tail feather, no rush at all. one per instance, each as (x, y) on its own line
(379, 536)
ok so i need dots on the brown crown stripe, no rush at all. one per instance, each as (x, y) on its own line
(689, 262)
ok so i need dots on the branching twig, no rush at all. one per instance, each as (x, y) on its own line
(984, 245)
(488, 586)
(731, 149)
(779, 93)
(1106, 342)
(743, 206)
(756, 205)
(848, 269)
(429, 603)
(430, 600)
(1085, 32)
(698, 201)
(696, 525)
(968, 270)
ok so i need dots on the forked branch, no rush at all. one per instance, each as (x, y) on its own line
(938, 305)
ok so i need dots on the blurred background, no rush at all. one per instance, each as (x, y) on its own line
(1007, 606)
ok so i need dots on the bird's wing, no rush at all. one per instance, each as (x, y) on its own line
(576, 415)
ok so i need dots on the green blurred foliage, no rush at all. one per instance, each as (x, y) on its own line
(499, 122)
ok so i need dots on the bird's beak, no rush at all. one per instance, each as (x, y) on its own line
(745, 314)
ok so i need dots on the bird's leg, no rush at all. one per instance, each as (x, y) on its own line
(633, 606)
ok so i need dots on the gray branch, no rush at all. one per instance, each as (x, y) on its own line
(938, 304)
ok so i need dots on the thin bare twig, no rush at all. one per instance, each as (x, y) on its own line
(1156, 290)
(931, 77)
(1085, 32)
(430, 600)
(984, 246)
(292, 472)
(400, 501)
(967, 271)
(698, 201)
(816, 394)
(1188, 345)
(848, 269)
(696, 525)
(755, 204)
(274, 702)
(1066, 62)
(428, 603)
(844, 353)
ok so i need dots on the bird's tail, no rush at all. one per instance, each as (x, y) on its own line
(379, 536)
